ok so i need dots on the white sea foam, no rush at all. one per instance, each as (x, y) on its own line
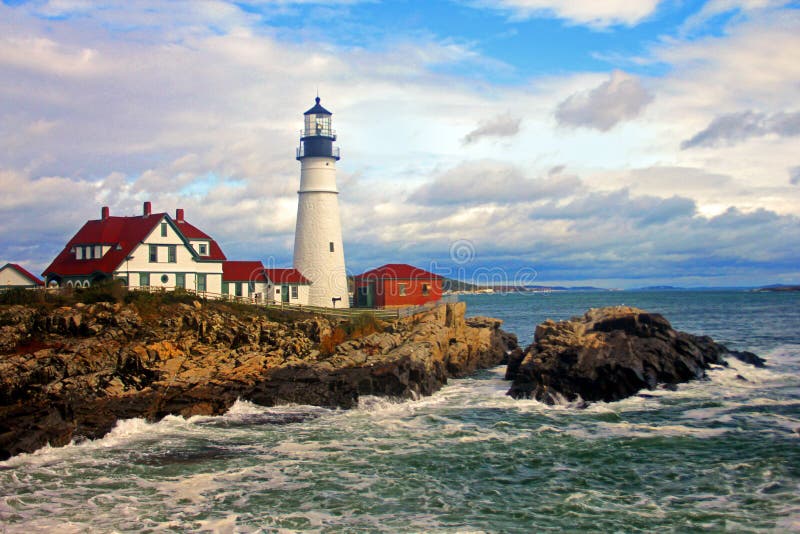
(603, 430)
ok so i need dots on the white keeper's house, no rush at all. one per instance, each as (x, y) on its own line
(155, 250)
(147, 250)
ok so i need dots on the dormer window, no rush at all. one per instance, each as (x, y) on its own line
(203, 249)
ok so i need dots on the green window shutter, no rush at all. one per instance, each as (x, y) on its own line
(172, 253)
(144, 279)
(225, 288)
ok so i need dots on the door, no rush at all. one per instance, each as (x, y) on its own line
(285, 293)
(371, 295)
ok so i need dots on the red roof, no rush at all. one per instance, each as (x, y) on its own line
(286, 276)
(243, 271)
(123, 234)
(24, 272)
(399, 271)
(190, 231)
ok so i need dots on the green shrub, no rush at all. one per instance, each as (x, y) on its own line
(105, 291)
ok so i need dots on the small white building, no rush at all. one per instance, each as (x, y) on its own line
(148, 250)
(287, 286)
(244, 279)
(13, 275)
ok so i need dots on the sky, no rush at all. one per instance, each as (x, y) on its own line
(617, 143)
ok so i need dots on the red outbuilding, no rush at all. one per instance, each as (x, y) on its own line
(396, 284)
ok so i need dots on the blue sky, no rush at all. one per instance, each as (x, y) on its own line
(611, 143)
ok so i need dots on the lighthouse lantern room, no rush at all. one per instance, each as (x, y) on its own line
(318, 250)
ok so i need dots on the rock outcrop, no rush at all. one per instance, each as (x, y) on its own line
(71, 373)
(609, 354)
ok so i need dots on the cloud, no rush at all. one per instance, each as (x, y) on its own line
(794, 175)
(715, 8)
(585, 12)
(736, 127)
(622, 97)
(500, 126)
(645, 209)
(490, 181)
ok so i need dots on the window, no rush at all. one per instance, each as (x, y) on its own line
(238, 288)
(330, 246)
(144, 279)
(203, 248)
(78, 253)
(180, 280)
(402, 289)
(225, 289)
(424, 289)
(172, 253)
(87, 253)
(98, 251)
(153, 253)
(201, 282)
(164, 278)
(163, 229)
(294, 292)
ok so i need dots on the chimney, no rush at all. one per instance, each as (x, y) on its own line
(179, 215)
(147, 208)
(104, 213)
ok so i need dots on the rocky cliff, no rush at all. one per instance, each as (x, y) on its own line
(609, 354)
(72, 372)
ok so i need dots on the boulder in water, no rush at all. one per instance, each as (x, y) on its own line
(609, 354)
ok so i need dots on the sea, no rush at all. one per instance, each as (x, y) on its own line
(721, 455)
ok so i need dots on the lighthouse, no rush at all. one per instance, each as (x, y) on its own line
(318, 250)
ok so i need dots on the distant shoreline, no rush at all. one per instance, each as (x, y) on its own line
(539, 290)
(777, 289)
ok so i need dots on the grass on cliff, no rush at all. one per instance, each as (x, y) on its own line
(150, 306)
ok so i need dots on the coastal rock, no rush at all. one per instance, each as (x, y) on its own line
(72, 372)
(609, 354)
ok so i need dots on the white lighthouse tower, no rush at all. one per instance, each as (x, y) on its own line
(318, 250)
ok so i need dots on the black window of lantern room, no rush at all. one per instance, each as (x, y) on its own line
(317, 137)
